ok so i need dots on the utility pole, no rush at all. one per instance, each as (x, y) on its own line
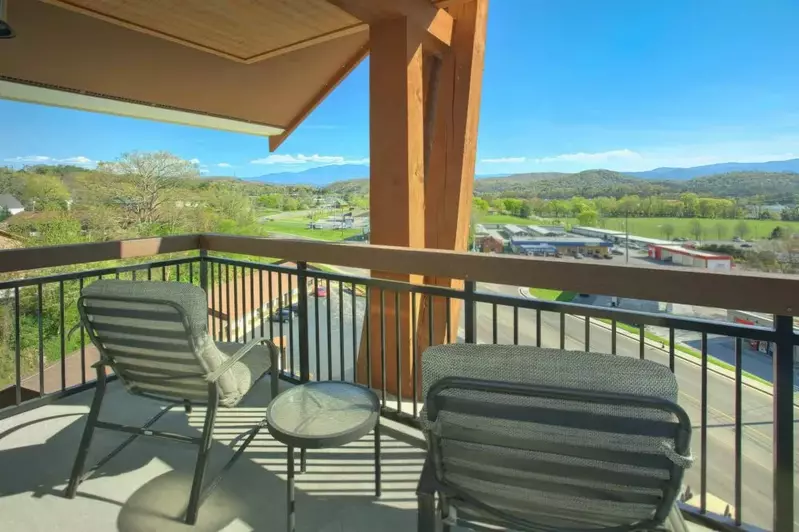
(627, 237)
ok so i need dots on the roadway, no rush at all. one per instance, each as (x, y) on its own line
(756, 406)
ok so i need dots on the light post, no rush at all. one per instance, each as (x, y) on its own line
(627, 237)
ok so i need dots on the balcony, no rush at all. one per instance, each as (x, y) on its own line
(347, 325)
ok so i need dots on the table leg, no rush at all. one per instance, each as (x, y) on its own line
(290, 525)
(302, 460)
(377, 458)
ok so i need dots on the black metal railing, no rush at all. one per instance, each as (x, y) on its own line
(324, 319)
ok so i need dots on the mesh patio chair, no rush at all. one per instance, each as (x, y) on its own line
(154, 335)
(532, 439)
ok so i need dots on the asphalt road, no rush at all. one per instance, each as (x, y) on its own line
(720, 456)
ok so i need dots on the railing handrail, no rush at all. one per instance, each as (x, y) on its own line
(756, 291)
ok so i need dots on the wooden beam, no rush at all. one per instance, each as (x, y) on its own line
(769, 293)
(423, 14)
(17, 260)
(449, 180)
(396, 195)
(319, 97)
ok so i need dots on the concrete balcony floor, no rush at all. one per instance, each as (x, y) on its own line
(145, 488)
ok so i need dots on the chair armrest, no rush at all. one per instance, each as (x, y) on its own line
(246, 348)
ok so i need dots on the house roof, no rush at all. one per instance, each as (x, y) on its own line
(9, 202)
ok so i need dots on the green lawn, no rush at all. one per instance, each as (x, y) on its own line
(653, 227)
(300, 228)
(552, 295)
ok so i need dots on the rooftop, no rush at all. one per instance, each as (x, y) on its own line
(564, 240)
(695, 252)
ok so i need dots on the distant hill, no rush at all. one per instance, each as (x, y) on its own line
(351, 186)
(589, 183)
(791, 165)
(319, 176)
(777, 186)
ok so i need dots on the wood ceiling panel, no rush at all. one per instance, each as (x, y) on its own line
(242, 30)
(61, 49)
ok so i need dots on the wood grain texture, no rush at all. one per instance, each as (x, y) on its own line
(319, 97)
(755, 291)
(449, 182)
(239, 30)
(17, 260)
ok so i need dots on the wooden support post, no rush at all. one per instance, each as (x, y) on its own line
(396, 190)
(449, 180)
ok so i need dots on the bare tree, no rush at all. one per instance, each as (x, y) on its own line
(144, 182)
(696, 229)
(721, 230)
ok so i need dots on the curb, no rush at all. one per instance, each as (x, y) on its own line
(751, 383)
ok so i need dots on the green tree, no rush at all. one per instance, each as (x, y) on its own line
(742, 229)
(587, 218)
(690, 203)
(667, 230)
(480, 205)
(777, 233)
(271, 201)
(45, 192)
(291, 204)
(524, 210)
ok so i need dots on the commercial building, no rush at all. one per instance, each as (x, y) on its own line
(546, 230)
(490, 244)
(618, 237)
(691, 257)
(564, 245)
(761, 320)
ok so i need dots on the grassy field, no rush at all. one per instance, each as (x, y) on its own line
(552, 295)
(653, 227)
(300, 228)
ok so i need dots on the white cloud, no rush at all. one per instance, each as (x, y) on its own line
(78, 160)
(502, 160)
(203, 170)
(307, 159)
(582, 157)
(225, 165)
(194, 161)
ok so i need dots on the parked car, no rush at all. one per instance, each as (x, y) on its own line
(607, 257)
(558, 254)
(283, 314)
(617, 251)
(736, 239)
(579, 256)
(321, 291)
(746, 245)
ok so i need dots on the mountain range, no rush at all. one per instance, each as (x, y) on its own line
(790, 165)
(327, 175)
(319, 176)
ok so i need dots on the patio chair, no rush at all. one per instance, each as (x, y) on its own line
(154, 335)
(531, 439)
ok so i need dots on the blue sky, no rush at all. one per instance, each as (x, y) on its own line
(568, 85)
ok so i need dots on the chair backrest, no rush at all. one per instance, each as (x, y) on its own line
(542, 439)
(151, 333)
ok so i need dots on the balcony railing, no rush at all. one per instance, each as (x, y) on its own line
(329, 321)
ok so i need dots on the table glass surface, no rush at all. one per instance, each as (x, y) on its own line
(319, 409)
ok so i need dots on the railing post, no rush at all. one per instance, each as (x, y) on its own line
(469, 313)
(302, 286)
(204, 270)
(783, 424)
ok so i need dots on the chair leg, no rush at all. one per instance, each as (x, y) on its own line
(426, 513)
(290, 521)
(378, 471)
(202, 463)
(88, 432)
